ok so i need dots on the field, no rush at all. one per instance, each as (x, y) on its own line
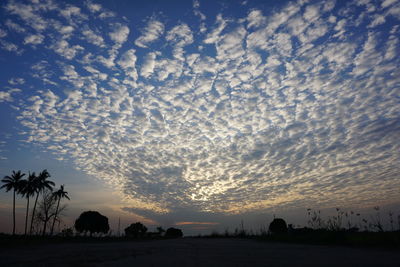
(193, 252)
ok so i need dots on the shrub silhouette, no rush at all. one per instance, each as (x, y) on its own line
(173, 233)
(92, 222)
(278, 226)
(135, 230)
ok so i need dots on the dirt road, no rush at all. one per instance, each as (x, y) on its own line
(195, 252)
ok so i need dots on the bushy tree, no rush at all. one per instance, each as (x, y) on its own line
(173, 233)
(135, 230)
(278, 226)
(92, 222)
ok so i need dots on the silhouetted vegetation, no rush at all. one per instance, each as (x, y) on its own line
(136, 230)
(58, 195)
(278, 226)
(47, 211)
(173, 233)
(13, 182)
(92, 222)
(343, 227)
(41, 184)
(33, 185)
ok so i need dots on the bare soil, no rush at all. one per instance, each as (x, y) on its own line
(195, 252)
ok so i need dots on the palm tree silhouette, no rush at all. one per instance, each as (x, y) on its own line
(28, 190)
(59, 194)
(41, 183)
(13, 182)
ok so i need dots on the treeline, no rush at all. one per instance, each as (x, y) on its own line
(92, 222)
(46, 212)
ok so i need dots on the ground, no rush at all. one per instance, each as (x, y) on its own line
(195, 252)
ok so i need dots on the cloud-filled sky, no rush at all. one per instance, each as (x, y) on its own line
(190, 108)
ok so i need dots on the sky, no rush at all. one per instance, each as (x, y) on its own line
(200, 114)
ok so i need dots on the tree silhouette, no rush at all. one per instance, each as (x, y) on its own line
(135, 230)
(92, 222)
(13, 182)
(278, 226)
(173, 233)
(28, 190)
(160, 230)
(58, 195)
(41, 183)
(46, 209)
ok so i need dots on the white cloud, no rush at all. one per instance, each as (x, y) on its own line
(148, 66)
(128, 62)
(73, 13)
(10, 47)
(93, 38)
(14, 26)
(180, 35)
(34, 39)
(255, 19)
(387, 3)
(93, 7)
(3, 33)
(200, 15)
(63, 48)
(267, 115)
(119, 34)
(7, 95)
(16, 81)
(28, 14)
(128, 59)
(107, 14)
(151, 32)
(215, 34)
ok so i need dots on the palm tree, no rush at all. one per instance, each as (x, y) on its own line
(13, 182)
(28, 189)
(59, 194)
(41, 183)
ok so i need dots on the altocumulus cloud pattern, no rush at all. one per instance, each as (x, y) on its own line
(279, 107)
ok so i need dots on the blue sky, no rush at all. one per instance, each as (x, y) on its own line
(203, 111)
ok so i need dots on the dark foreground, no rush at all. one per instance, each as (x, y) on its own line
(195, 252)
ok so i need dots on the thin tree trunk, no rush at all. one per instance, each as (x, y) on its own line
(27, 213)
(33, 213)
(44, 228)
(55, 216)
(14, 214)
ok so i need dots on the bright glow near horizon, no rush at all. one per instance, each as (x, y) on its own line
(244, 106)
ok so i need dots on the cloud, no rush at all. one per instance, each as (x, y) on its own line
(255, 19)
(180, 35)
(63, 48)
(16, 81)
(73, 13)
(94, 8)
(93, 38)
(128, 62)
(3, 33)
(7, 95)
(148, 66)
(277, 109)
(152, 32)
(119, 34)
(200, 15)
(34, 39)
(10, 47)
(213, 36)
(28, 13)
(14, 26)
